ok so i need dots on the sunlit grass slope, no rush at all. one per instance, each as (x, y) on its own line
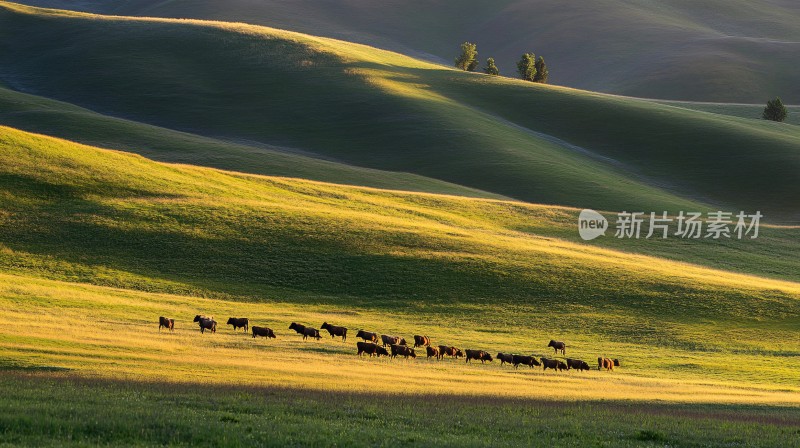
(377, 109)
(76, 213)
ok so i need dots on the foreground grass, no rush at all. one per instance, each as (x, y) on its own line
(59, 410)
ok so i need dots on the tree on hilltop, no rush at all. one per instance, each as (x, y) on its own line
(526, 67)
(468, 59)
(491, 68)
(775, 110)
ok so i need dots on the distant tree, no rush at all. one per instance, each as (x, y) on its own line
(775, 110)
(490, 68)
(541, 71)
(526, 67)
(468, 59)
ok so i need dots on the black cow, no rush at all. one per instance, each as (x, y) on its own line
(557, 346)
(239, 322)
(371, 348)
(505, 359)
(298, 328)
(433, 352)
(335, 331)
(529, 361)
(402, 350)
(166, 322)
(206, 323)
(577, 364)
(553, 364)
(367, 336)
(264, 332)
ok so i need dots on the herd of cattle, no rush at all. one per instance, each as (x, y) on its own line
(398, 346)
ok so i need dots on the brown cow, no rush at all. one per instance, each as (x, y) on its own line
(433, 352)
(167, 323)
(264, 332)
(402, 350)
(367, 336)
(371, 348)
(450, 351)
(335, 331)
(478, 355)
(392, 340)
(239, 322)
(605, 363)
(553, 364)
(577, 364)
(557, 346)
(421, 341)
(505, 359)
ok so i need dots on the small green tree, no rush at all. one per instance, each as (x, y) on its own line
(468, 59)
(541, 71)
(526, 67)
(491, 68)
(775, 110)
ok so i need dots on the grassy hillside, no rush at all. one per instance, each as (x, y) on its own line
(99, 243)
(37, 114)
(81, 214)
(721, 50)
(376, 109)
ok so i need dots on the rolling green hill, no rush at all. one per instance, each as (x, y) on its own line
(370, 108)
(721, 50)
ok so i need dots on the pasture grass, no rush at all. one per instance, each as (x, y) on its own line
(59, 410)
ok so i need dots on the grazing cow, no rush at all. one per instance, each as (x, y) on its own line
(367, 336)
(167, 323)
(557, 346)
(392, 340)
(616, 362)
(450, 351)
(478, 355)
(505, 359)
(206, 323)
(577, 364)
(298, 328)
(239, 322)
(402, 350)
(529, 361)
(433, 352)
(264, 332)
(553, 364)
(335, 331)
(371, 348)
(422, 341)
(605, 363)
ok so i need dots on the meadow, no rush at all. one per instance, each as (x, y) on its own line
(290, 178)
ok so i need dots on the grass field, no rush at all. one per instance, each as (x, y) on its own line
(370, 108)
(720, 50)
(324, 181)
